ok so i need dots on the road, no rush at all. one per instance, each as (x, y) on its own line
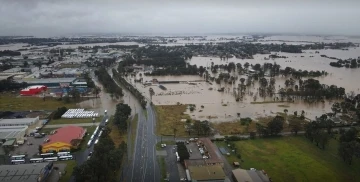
(76, 124)
(142, 166)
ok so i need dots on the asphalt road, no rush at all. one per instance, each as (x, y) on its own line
(171, 164)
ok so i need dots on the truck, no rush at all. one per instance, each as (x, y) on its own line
(177, 156)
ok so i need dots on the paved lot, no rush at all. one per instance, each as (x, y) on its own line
(30, 150)
(55, 174)
(172, 164)
(195, 150)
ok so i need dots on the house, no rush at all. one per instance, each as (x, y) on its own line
(64, 139)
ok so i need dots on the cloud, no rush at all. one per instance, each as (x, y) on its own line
(53, 17)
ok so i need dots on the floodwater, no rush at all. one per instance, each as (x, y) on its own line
(221, 106)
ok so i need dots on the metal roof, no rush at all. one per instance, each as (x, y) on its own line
(11, 131)
(21, 121)
(22, 172)
(48, 80)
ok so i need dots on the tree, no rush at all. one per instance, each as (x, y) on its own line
(40, 149)
(295, 113)
(96, 91)
(285, 111)
(295, 125)
(182, 151)
(275, 126)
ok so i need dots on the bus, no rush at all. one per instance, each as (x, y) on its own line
(44, 155)
(36, 160)
(96, 141)
(21, 161)
(100, 134)
(63, 154)
(49, 159)
(17, 157)
(65, 158)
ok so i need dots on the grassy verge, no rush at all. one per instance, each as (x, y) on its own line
(133, 132)
(90, 131)
(294, 159)
(267, 102)
(70, 164)
(74, 120)
(162, 169)
(169, 117)
(158, 145)
(146, 114)
(229, 128)
(11, 102)
(116, 136)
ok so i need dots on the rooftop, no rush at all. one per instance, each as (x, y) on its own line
(242, 175)
(67, 134)
(205, 173)
(49, 80)
(7, 132)
(21, 121)
(22, 172)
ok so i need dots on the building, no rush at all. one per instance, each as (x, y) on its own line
(13, 132)
(213, 153)
(50, 82)
(33, 90)
(26, 172)
(19, 122)
(241, 175)
(213, 173)
(64, 139)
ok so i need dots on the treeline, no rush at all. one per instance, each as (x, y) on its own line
(315, 131)
(353, 63)
(9, 53)
(122, 114)
(104, 163)
(349, 146)
(189, 70)
(9, 85)
(273, 128)
(108, 83)
(131, 88)
(313, 88)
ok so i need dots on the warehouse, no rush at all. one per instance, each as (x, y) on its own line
(33, 90)
(50, 82)
(19, 122)
(13, 132)
(64, 139)
(26, 172)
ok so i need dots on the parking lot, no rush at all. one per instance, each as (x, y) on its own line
(30, 150)
(195, 153)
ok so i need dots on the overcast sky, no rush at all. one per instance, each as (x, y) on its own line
(64, 17)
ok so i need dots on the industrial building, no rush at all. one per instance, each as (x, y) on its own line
(33, 90)
(19, 122)
(213, 173)
(26, 172)
(50, 82)
(64, 139)
(13, 132)
(241, 175)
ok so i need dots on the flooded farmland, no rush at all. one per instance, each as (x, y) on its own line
(218, 106)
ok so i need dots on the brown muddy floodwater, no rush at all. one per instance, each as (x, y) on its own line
(221, 106)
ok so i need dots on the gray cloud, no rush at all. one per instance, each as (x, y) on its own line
(53, 17)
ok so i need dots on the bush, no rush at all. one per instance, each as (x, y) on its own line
(59, 112)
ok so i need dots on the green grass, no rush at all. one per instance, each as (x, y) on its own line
(169, 117)
(158, 145)
(133, 132)
(116, 136)
(70, 164)
(90, 131)
(74, 120)
(162, 168)
(295, 159)
(11, 102)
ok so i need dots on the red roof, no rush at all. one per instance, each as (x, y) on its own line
(66, 134)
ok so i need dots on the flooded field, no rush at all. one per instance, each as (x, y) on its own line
(222, 106)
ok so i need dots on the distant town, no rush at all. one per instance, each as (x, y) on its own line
(224, 108)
